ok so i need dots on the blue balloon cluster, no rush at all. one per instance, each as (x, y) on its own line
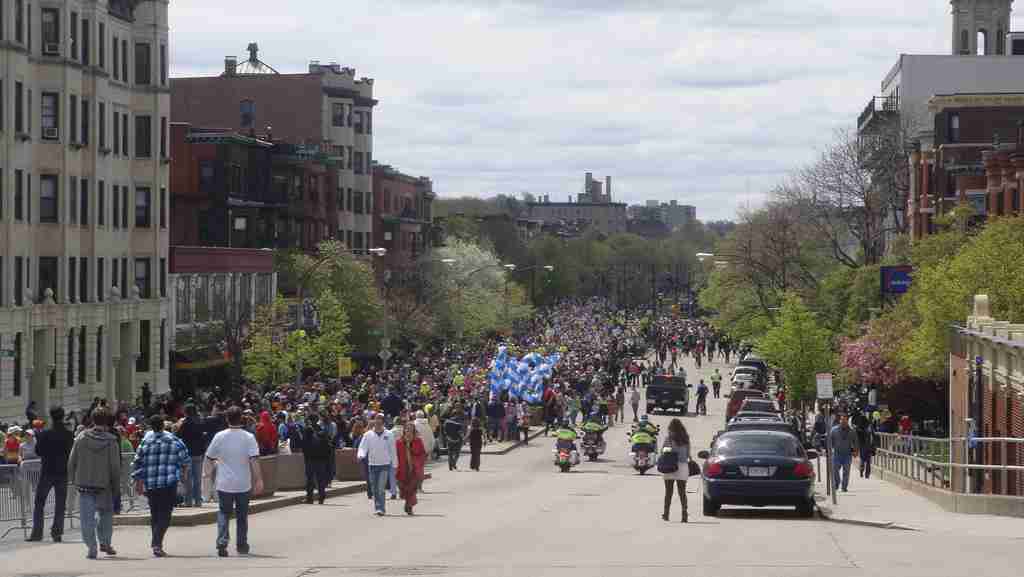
(523, 378)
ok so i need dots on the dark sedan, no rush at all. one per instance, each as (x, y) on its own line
(758, 468)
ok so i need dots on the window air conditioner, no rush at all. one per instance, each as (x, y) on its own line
(51, 48)
(50, 133)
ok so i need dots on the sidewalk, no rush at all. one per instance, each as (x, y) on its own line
(877, 503)
(503, 448)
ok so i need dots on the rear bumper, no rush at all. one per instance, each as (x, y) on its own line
(759, 492)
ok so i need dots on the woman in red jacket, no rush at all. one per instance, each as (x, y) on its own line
(266, 435)
(412, 457)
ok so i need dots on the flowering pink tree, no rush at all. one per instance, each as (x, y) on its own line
(872, 358)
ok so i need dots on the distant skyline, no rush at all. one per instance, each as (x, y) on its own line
(710, 102)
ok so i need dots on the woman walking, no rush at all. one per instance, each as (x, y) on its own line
(412, 456)
(677, 442)
(476, 443)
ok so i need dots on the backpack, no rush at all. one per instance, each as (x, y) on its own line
(668, 462)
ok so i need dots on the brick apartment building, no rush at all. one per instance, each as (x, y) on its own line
(402, 210)
(971, 158)
(324, 112)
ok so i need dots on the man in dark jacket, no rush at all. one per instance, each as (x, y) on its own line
(53, 446)
(194, 435)
(317, 451)
(453, 434)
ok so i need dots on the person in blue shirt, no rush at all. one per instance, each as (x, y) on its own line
(160, 462)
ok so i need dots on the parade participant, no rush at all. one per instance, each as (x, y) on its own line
(54, 448)
(94, 468)
(411, 460)
(234, 451)
(702, 398)
(317, 452)
(159, 465)
(476, 443)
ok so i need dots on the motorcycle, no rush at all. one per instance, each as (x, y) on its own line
(566, 456)
(593, 446)
(642, 446)
(643, 460)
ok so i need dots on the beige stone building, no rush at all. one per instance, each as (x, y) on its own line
(83, 202)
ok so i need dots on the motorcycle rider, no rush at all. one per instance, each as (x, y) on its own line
(565, 438)
(596, 427)
(644, 435)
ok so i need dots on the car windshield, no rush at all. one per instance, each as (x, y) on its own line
(740, 445)
(758, 405)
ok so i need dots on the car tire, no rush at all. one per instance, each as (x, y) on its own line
(805, 509)
(711, 508)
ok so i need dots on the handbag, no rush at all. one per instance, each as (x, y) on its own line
(694, 468)
(668, 462)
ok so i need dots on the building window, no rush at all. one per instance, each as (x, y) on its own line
(124, 207)
(19, 107)
(83, 198)
(70, 372)
(143, 136)
(117, 205)
(143, 70)
(142, 364)
(101, 203)
(338, 114)
(142, 207)
(51, 31)
(183, 298)
(359, 121)
(48, 206)
(74, 35)
(84, 136)
(247, 114)
(73, 199)
(99, 354)
(124, 134)
(358, 162)
(50, 115)
(163, 278)
(101, 45)
(113, 276)
(163, 137)
(47, 277)
(207, 176)
(117, 57)
(124, 62)
(142, 277)
(163, 343)
(17, 365)
(101, 122)
(117, 136)
(83, 280)
(19, 28)
(86, 45)
(72, 279)
(357, 201)
(163, 65)
(954, 127)
(72, 118)
(19, 197)
(81, 354)
(101, 287)
(19, 281)
(163, 208)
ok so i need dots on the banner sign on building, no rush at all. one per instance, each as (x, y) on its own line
(896, 279)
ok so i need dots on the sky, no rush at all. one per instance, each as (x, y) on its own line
(708, 102)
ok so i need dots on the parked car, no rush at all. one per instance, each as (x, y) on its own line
(759, 405)
(758, 468)
(736, 399)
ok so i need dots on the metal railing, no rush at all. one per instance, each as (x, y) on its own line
(18, 494)
(946, 462)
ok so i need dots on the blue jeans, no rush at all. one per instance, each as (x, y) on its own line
(841, 462)
(378, 479)
(238, 503)
(195, 482)
(393, 480)
(87, 503)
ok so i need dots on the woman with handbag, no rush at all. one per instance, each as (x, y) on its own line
(674, 465)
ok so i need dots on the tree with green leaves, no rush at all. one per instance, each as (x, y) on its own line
(800, 346)
(272, 352)
(330, 343)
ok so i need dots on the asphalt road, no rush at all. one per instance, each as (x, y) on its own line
(519, 516)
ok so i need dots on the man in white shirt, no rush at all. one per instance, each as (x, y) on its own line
(378, 448)
(234, 450)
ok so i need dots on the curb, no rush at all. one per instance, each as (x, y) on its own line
(507, 450)
(826, 513)
(209, 516)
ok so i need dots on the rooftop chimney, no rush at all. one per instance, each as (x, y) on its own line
(230, 65)
(586, 182)
(608, 187)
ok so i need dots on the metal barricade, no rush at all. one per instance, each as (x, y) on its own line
(18, 484)
(128, 496)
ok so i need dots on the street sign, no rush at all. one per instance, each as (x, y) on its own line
(344, 367)
(825, 385)
(384, 354)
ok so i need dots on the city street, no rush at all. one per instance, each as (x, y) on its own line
(519, 516)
